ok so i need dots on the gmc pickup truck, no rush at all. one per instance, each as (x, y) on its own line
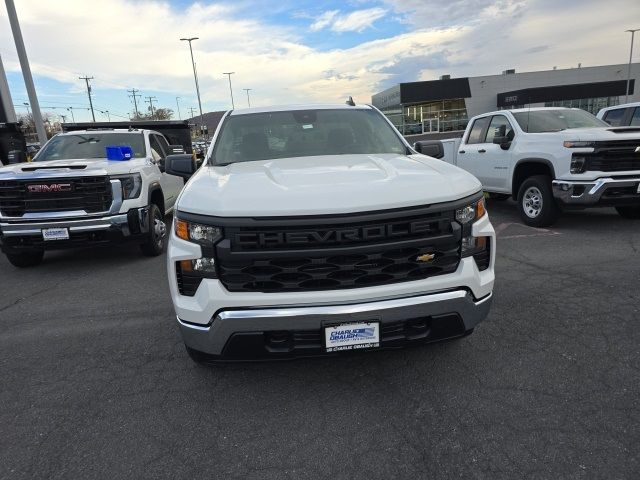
(74, 195)
(313, 230)
(548, 159)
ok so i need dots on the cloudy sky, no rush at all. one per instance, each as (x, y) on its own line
(293, 51)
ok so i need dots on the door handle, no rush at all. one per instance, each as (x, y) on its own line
(482, 150)
(461, 151)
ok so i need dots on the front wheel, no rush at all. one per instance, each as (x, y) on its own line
(630, 213)
(154, 243)
(27, 259)
(537, 206)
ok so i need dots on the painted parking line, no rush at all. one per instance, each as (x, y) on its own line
(502, 231)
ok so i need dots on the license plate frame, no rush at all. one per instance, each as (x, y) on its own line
(351, 336)
(55, 234)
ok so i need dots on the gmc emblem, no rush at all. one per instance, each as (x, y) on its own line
(52, 187)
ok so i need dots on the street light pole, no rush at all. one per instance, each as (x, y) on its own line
(73, 118)
(228, 74)
(248, 101)
(195, 75)
(26, 70)
(178, 105)
(633, 31)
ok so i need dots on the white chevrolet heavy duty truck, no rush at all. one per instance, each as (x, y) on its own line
(74, 195)
(312, 230)
(549, 159)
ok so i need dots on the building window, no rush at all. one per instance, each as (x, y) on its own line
(591, 105)
(437, 116)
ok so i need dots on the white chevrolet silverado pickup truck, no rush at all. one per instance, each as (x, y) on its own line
(73, 195)
(314, 230)
(548, 159)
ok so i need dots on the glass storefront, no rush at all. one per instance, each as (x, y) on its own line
(437, 116)
(591, 105)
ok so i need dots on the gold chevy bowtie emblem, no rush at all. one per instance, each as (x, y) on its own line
(425, 257)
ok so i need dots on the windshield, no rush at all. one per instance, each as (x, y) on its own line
(304, 133)
(89, 145)
(538, 121)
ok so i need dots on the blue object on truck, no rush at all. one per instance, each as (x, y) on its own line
(119, 152)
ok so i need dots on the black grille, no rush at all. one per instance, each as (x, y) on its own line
(92, 194)
(357, 261)
(614, 156)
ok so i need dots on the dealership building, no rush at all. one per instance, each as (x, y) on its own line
(445, 105)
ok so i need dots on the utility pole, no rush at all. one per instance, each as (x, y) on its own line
(134, 94)
(86, 79)
(26, 71)
(248, 101)
(150, 100)
(228, 74)
(633, 31)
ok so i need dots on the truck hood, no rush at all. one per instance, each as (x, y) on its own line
(56, 168)
(324, 185)
(596, 134)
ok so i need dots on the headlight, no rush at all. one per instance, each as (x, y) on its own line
(205, 235)
(131, 185)
(576, 144)
(471, 213)
(578, 164)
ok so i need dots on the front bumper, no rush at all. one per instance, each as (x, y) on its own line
(608, 191)
(271, 333)
(27, 236)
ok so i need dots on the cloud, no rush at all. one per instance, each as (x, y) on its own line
(324, 20)
(355, 21)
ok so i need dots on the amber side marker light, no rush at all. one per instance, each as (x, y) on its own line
(182, 229)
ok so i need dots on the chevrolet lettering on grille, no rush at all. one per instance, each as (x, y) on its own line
(338, 235)
(49, 188)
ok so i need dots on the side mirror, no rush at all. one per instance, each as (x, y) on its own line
(431, 148)
(181, 165)
(176, 149)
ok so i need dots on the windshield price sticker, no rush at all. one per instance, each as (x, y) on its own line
(352, 336)
(55, 234)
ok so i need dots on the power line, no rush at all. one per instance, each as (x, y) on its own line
(150, 100)
(134, 94)
(86, 79)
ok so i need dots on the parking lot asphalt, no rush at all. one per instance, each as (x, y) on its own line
(96, 382)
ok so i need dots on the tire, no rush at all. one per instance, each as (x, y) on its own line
(536, 203)
(499, 197)
(630, 213)
(27, 259)
(154, 243)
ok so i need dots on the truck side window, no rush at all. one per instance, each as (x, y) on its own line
(475, 135)
(496, 122)
(156, 150)
(164, 145)
(635, 120)
(614, 117)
